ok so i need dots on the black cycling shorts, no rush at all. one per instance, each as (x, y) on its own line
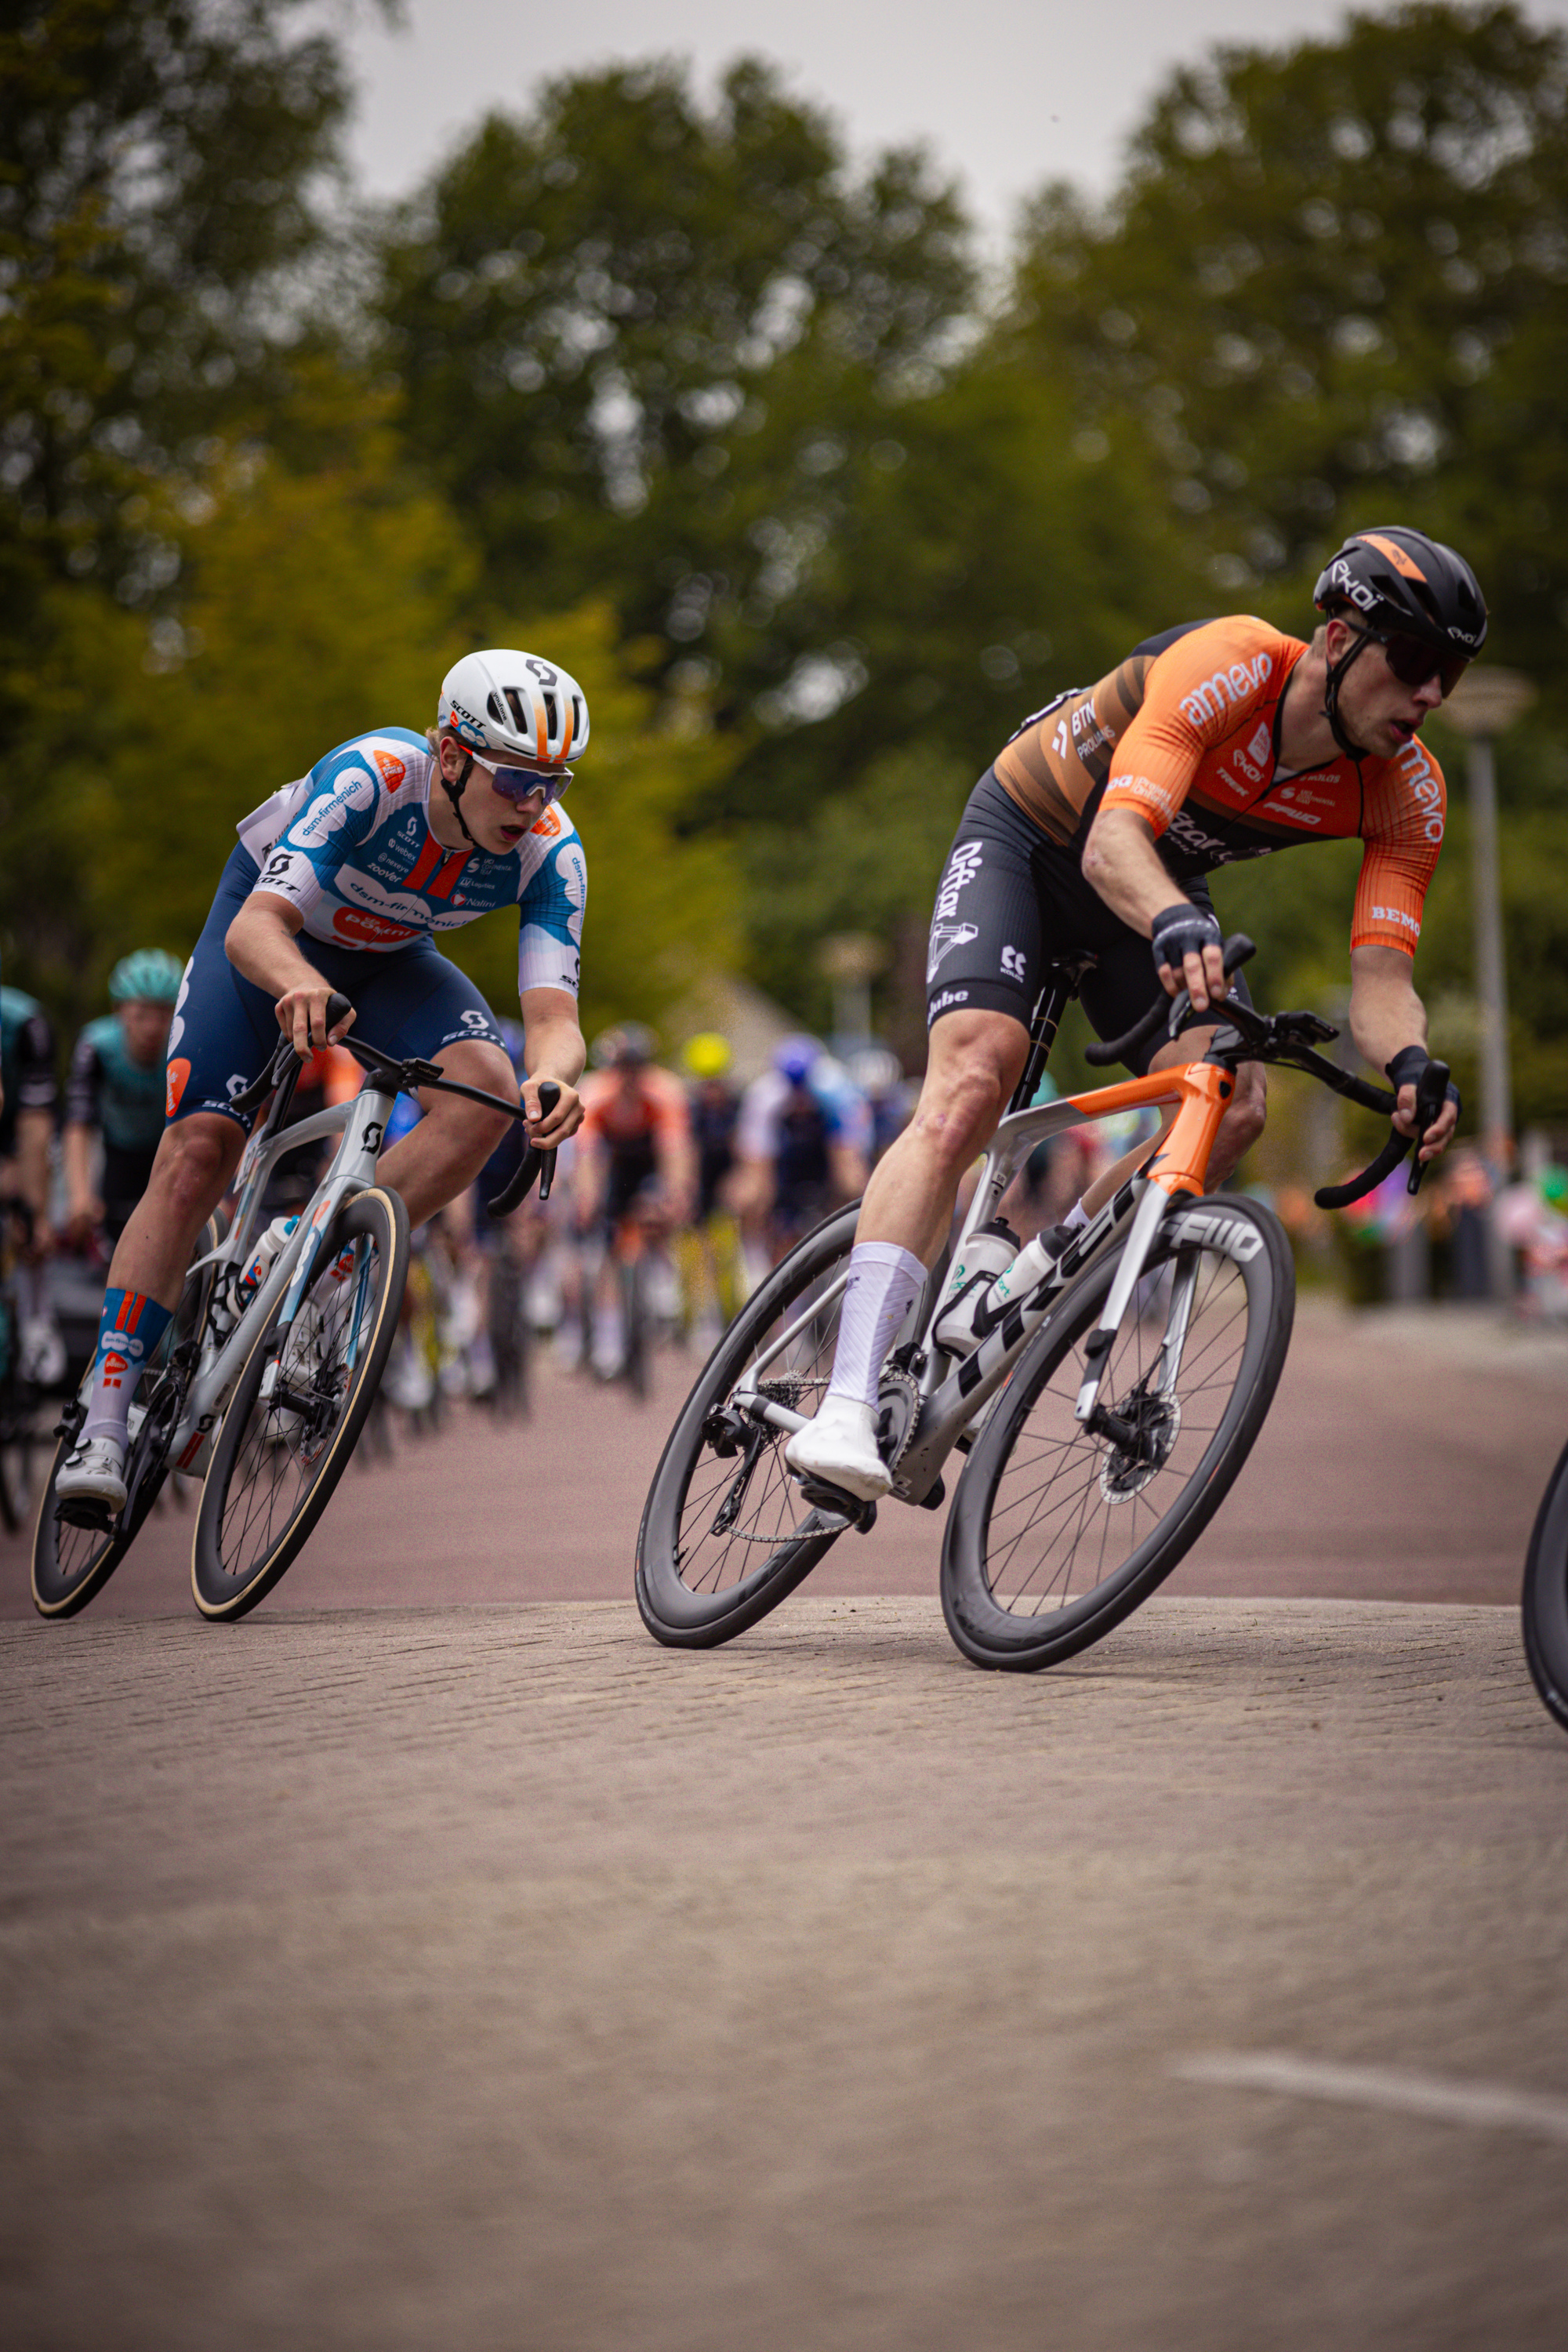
(1010, 901)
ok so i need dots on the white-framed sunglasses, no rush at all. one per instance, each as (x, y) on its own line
(516, 783)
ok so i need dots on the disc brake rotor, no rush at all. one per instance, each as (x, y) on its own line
(1126, 1470)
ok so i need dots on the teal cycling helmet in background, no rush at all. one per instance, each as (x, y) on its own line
(149, 975)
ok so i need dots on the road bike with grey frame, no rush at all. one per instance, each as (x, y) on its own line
(263, 1396)
(1103, 1420)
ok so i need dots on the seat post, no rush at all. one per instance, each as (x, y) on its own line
(1061, 985)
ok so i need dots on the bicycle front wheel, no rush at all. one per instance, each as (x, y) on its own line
(296, 1409)
(1057, 1533)
(72, 1563)
(1545, 1604)
(725, 1532)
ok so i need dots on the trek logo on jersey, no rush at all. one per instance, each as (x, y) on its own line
(1397, 915)
(944, 938)
(1208, 702)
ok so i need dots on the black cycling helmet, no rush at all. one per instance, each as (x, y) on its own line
(1399, 585)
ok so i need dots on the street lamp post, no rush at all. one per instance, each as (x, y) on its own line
(1483, 705)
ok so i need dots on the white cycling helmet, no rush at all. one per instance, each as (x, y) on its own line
(503, 701)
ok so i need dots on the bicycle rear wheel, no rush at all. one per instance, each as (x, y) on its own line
(296, 1409)
(1056, 1534)
(726, 1534)
(71, 1563)
(1545, 1600)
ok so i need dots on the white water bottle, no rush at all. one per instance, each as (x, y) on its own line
(264, 1258)
(983, 1259)
(1034, 1261)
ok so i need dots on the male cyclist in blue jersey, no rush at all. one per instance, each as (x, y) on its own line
(339, 884)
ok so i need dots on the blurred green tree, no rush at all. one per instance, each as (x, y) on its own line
(1334, 286)
(318, 605)
(637, 341)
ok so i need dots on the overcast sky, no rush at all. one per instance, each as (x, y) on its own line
(1009, 93)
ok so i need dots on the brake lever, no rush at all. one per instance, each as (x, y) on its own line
(1431, 1094)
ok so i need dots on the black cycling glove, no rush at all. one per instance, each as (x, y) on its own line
(1183, 930)
(1407, 1067)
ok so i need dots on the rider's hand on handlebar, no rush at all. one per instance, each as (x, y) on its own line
(1439, 1135)
(1189, 952)
(303, 1017)
(546, 1134)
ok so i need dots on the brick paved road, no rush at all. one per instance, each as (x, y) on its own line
(486, 1976)
(386, 1975)
(1402, 1459)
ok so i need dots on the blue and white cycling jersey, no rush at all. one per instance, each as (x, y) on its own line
(351, 846)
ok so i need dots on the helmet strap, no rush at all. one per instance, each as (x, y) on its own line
(1332, 685)
(455, 795)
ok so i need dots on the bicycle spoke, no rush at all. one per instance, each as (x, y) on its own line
(772, 1512)
(1072, 1506)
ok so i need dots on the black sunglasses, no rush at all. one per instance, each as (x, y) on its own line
(1413, 661)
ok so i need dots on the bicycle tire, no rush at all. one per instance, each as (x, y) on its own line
(71, 1565)
(244, 1541)
(1007, 1581)
(698, 1614)
(1543, 1606)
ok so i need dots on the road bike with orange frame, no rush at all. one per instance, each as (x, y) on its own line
(1103, 1420)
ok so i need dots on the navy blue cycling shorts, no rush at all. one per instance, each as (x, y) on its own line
(410, 1001)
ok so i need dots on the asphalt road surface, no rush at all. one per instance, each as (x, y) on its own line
(388, 1973)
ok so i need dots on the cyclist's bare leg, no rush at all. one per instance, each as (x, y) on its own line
(975, 1064)
(195, 1165)
(975, 1059)
(440, 1158)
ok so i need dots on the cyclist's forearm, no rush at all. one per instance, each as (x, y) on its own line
(76, 1152)
(261, 944)
(1385, 1013)
(1122, 866)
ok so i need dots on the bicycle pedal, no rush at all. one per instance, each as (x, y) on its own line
(832, 1502)
(83, 1512)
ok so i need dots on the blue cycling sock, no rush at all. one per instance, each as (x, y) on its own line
(129, 1330)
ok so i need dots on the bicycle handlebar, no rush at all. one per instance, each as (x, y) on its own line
(286, 1064)
(533, 1163)
(1172, 1013)
(1285, 1038)
(1431, 1092)
(285, 1060)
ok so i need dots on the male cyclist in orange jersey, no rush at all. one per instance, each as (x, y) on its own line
(1093, 832)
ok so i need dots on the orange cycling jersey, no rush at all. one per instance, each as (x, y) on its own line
(1186, 731)
(626, 1118)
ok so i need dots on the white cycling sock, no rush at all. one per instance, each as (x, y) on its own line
(883, 1279)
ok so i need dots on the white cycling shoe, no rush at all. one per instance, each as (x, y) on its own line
(93, 1472)
(839, 1447)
